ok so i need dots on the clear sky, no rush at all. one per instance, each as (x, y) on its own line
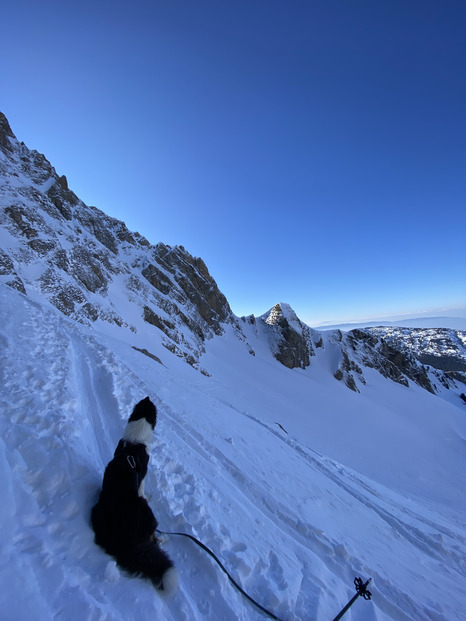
(310, 151)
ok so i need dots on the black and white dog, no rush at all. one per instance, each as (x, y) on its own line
(123, 522)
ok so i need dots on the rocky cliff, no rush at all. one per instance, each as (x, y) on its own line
(443, 349)
(90, 266)
(290, 339)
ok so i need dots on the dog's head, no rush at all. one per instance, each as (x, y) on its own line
(141, 423)
(144, 409)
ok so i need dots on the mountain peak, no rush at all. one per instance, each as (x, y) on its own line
(283, 312)
(289, 337)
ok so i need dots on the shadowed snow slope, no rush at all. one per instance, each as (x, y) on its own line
(297, 483)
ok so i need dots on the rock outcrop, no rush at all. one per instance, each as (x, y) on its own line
(441, 348)
(393, 364)
(84, 262)
(289, 337)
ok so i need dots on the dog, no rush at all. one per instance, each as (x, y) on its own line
(122, 519)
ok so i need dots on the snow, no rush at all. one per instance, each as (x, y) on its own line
(283, 310)
(439, 342)
(369, 484)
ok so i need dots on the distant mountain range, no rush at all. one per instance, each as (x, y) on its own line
(455, 320)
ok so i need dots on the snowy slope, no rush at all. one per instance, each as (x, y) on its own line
(369, 484)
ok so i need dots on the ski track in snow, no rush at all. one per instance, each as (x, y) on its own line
(413, 528)
(65, 397)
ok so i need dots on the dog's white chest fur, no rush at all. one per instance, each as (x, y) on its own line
(139, 432)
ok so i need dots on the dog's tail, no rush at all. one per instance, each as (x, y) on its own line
(148, 560)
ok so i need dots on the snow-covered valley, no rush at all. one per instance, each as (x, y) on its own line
(351, 488)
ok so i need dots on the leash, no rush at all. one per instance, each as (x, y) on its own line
(230, 578)
(361, 588)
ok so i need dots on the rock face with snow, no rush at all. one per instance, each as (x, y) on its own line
(94, 270)
(90, 266)
(296, 345)
(290, 338)
(373, 352)
(441, 348)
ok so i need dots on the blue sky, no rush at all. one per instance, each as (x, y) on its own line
(311, 152)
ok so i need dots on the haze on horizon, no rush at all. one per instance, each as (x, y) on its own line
(311, 153)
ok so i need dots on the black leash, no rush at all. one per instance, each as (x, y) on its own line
(361, 588)
(232, 580)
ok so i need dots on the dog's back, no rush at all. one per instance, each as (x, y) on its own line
(122, 518)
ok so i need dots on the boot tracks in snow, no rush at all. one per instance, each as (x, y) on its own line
(361, 588)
